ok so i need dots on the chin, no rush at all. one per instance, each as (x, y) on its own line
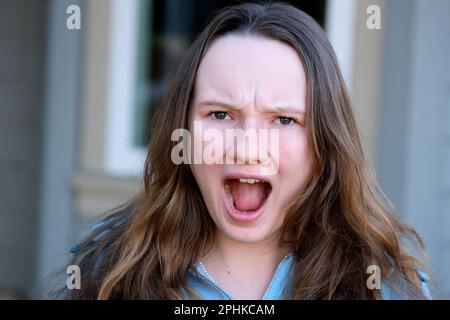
(246, 234)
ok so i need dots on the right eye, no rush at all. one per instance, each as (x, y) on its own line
(219, 115)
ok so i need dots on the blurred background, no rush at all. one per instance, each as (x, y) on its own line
(75, 104)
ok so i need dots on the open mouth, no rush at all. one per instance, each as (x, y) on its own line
(247, 195)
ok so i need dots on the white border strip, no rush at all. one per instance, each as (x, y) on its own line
(340, 25)
(121, 157)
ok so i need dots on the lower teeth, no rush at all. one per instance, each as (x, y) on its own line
(229, 195)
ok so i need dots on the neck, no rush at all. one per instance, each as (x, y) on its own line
(244, 257)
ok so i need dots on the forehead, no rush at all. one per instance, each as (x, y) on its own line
(245, 68)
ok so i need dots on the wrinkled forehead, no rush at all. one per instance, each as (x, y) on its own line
(242, 69)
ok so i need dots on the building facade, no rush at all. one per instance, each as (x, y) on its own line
(76, 102)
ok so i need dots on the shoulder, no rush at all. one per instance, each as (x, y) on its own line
(95, 255)
(387, 293)
(92, 251)
(102, 228)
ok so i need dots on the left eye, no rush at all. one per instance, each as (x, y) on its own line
(285, 121)
(219, 115)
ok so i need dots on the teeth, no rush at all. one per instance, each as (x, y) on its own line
(251, 181)
(230, 195)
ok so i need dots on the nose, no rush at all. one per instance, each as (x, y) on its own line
(247, 143)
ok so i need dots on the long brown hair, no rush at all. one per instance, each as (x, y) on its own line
(341, 223)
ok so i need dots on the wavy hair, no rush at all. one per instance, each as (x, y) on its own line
(340, 224)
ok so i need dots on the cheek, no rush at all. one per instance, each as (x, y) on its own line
(207, 178)
(203, 173)
(201, 177)
(295, 161)
(295, 156)
(295, 169)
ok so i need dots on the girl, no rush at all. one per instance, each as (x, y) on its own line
(302, 220)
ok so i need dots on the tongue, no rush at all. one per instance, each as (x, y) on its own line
(248, 197)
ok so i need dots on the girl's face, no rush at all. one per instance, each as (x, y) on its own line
(255, 85)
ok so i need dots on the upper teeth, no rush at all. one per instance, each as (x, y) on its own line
(249, 180)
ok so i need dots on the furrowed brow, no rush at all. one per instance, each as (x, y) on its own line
(219, 103)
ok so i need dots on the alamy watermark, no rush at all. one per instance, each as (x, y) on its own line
(373, 21)
(74, 280)
(374, 280)
(73, 21)
(231, 146)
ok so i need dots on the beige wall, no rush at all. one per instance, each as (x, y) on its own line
(93, 121)
(367, 76)
(95, 191)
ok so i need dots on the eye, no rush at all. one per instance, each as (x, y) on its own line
(219, 115)
(285, 121)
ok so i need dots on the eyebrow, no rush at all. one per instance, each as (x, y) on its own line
(271, 109)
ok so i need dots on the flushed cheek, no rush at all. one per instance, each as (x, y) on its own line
(207, 177)
(294, 168)
(294, 154)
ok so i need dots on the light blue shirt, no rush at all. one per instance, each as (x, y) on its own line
(207, 287)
